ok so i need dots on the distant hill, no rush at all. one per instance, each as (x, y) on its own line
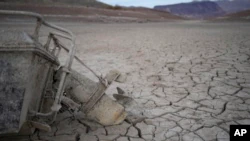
(197, 10)
(90, 3)
(200, 10)
(92, 14)
(239, 16)
(233, 6)
(242, 14)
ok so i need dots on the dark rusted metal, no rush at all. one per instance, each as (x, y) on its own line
(37, 29)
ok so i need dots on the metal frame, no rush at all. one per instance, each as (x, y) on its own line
(64, 33)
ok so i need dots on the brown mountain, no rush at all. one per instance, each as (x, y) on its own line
(93, 14)
(90, 3)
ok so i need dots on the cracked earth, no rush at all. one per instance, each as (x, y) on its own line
(191, 80)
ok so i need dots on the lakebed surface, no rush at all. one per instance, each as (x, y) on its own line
(193, 78)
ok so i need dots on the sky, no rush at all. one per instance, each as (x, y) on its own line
(144, 3)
